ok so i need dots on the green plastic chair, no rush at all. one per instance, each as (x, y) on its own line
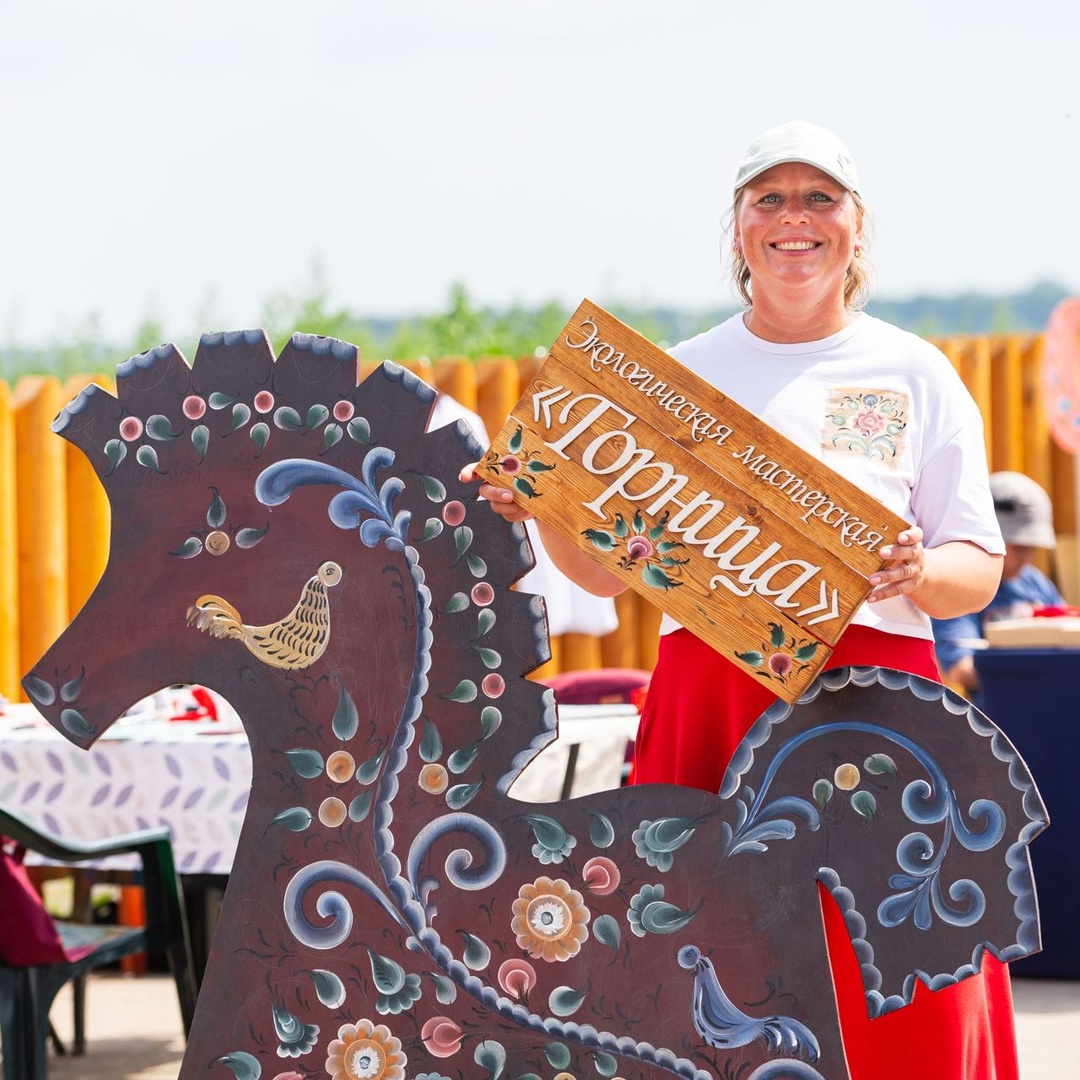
(38, 954)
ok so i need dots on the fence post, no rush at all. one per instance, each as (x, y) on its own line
(88, 511)
(497, 391)
(456, 376)
(1010, 408)
(42, 518)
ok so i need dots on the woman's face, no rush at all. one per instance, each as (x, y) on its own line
(797, 228)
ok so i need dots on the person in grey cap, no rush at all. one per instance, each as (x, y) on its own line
(886, 410)
(1027, 524)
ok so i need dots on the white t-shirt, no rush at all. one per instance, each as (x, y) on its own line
(880, 406)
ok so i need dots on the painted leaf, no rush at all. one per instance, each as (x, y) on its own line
(332, 435)
(218, 401)
(188, 549)
(370, 769)
(489, 658)
(316, 415)
(458, 602)
(360, 430)
(490, 719)
(777, 635)
(823, 791)
(485, 620)
(147, 457)
(565, 1000)
(200, 439)
(464, 691)
(329, 989)
(461, 795)
(432, 528)
(491, 1055)
(243, 1065)
(880, 765)
(557, 1054)
(115, 452)
(260, 435)
(288, 419)
(655, 577)
(434, 488)
(430, 742)
(523, 485)
(606, 931)
(241, 414)
(477, 566)
(389, 975)
(359, 807)
(215, 516)
(513, 444)
(864, 804)
(754, 659)
(601, 831)
(247, 537)
(599, 539)
(806, 652)
(477, 955)
(621, 529)
(40, 690)
(75, 722)
(461, 759)
(296, 818)
(445, 990)
(346, 719)
(306, 763)
(605, 1064)
(159, 427)
(463, 537)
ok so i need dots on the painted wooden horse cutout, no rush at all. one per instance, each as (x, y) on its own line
(301, 545)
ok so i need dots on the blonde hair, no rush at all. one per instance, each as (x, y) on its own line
(857, 280)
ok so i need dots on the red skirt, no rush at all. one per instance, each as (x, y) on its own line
(698, 708)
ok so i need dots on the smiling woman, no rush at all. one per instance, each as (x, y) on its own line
(887, 411)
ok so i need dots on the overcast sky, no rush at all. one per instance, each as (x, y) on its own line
(186, 159)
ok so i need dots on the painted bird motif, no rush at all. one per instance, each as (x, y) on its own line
(292, 643)
(722, 1024)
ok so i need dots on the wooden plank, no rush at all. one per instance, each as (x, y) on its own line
(88, 511)
(41, 502)
(1007, 395)
(734, 530)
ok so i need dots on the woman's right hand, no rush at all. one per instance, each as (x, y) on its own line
(501, 500)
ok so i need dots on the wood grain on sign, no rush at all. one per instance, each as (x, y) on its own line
(748, 540)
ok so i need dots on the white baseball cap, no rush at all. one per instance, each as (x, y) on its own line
(799, 141)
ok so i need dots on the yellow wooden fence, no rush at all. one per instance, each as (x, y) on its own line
(54, 516)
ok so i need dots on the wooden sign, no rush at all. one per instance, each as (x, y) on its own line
(749, 541)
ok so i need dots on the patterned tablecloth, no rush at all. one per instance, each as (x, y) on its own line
(195, 777)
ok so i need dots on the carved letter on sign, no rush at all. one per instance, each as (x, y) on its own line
(749, 541)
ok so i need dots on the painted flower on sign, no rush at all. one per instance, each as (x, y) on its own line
(550, 920)
(364, 1051)
(781, 656)
(847, 777)
(642, 549)
(524, 465)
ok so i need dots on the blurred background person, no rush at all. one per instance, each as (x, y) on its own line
(1027, 525)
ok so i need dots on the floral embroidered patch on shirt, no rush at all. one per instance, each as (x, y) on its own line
(867, 422)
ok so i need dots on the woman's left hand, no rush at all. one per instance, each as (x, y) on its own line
(906, 565)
